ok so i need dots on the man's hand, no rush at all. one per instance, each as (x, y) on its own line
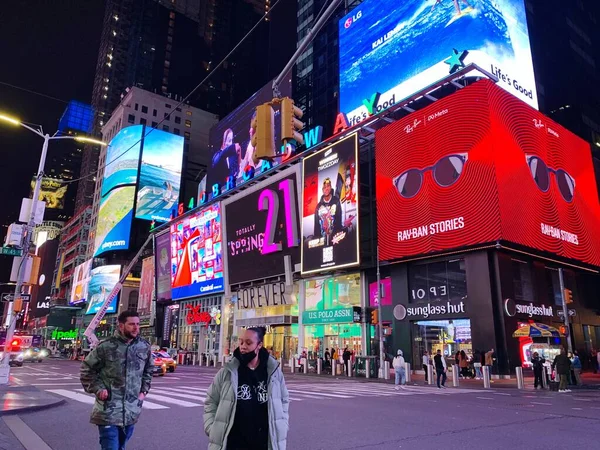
(142, 396)
(102, 394)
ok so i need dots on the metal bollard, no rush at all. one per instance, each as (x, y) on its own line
(455, 375)
(349, 368)
(486, 377)
(194, 359)
(429, 374)
(208, 356)
(520, 383)
(333, 367)
(386, 370)
(223, 360)
(368, 368)
(292, 369)
(319, 364)
(545, 378)
(305, 366)
(407, 372)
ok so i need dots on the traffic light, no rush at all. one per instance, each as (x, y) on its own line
(290, 125)
(18, 305)
(375, 317)
(263, 133)
(568, 293)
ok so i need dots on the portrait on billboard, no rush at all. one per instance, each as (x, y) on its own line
(391, 49)
(197, 253)
(230, 140)
(163, 266)
(262, 228)
(330, 207)
(505, 173)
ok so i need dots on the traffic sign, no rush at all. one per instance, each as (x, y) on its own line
(10, 251)
(8, 297)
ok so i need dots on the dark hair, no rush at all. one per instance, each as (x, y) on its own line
(126, 315)
(260, 332)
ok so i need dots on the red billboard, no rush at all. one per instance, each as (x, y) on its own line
(480, 166)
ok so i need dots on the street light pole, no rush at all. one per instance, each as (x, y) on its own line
(26, 240)
(379, 319)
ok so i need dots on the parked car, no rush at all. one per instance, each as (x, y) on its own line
(168, 360)
(16, 356)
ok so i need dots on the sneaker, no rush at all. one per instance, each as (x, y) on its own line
(560, 391)
(444, 387)
(567, 390)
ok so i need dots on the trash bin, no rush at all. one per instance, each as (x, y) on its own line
(361, 366)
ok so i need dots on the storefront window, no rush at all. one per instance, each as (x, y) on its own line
(334, 329)
(200, 336)
(449, 336)
(522, 280)
(443, 280)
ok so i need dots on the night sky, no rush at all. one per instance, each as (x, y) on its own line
(51, 47)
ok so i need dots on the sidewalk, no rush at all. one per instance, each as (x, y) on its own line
(21, 399)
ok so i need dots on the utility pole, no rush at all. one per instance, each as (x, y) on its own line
(565, 309)
(379, 319)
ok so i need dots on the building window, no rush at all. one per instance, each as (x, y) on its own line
(137, 106)
(131, 118)
(132, 302)
(166, 116)
(178, 109)
(165, 127)
(154, 124)
(144, 109)
(522, 280)
(154, 113)
(177, 119)
(188, 123)
(553, 287)
(168, 106)
(443, 280)
(143, 121)
(186, 135)
(176, 131)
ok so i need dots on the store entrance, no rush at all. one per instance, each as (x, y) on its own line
(448, 336)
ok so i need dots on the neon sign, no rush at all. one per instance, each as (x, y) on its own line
(195, 316)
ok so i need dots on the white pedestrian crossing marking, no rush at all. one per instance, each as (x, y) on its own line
(174, 401)
(83, 398)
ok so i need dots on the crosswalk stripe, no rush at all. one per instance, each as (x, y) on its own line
(146, 404)
(83, 398)
(175, 401)
(322, 393)
(177, 394)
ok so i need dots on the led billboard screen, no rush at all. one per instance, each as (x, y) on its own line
(118, 191)
(330, 207)
(229, 140)
(391, 49)
(160, 176)
(102, 281)
(504, 172)
(81, 279)
(162, 264)
(52, 191)
(196, 254)
(262, 227)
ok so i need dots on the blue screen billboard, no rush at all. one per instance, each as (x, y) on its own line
(391, 49)
(118, 191)
(160, 176)
(102, 281)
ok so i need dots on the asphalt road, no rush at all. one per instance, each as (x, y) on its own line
(332, 414)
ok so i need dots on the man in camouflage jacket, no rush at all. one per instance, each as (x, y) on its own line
(118, 372)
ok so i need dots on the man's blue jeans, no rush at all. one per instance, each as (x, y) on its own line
(113, 437)
(400, 376)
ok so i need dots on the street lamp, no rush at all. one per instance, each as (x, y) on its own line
(26, 242)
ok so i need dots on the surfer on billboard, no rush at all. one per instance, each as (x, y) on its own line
(468, 9)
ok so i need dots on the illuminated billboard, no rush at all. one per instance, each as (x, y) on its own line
(505, 173)
(330, 207)
(118, 191)
(52, 191)
(197, 254)
(160, 176)
(102, 281)
(146, 286)
(81, 279)
(391, 49)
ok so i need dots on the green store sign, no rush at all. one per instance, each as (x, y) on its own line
(66, 335)
(344, 315)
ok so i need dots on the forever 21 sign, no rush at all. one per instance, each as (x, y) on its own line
(262, 227)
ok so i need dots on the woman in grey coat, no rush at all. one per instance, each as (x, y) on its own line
(247, 403)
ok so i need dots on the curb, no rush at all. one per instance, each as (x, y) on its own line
(28, 409)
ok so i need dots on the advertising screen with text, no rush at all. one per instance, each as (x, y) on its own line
(263, 227)
(481, 166)
(196, 254)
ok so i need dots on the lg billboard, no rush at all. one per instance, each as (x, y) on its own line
(479, 167)
(391, 49)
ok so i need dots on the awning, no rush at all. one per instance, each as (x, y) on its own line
(539, 330)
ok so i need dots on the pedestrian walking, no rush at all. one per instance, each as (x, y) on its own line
(425, 364)
(399, 369)
(477, 364)
(562, 364)
(346, 357)
(327, 359)
(440, 369)
(538, 370)
(576, 365)
(247, 404)
(119, 373)
(463, 363)
(489, 360)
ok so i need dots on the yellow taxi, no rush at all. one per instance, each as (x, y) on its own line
(168, 360)
(160, 367)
